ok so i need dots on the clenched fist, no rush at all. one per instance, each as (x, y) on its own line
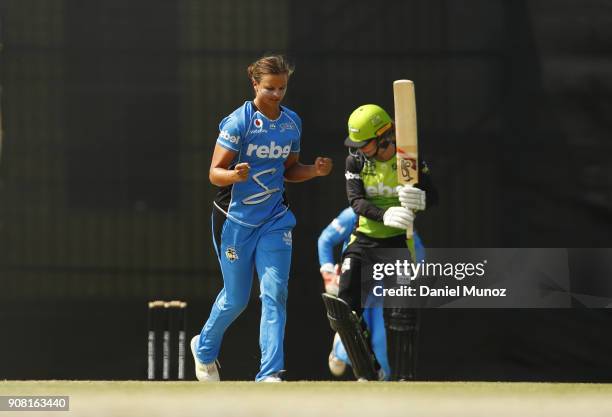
(241, 171)
(323, 166)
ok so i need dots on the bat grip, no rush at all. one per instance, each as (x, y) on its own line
(410, 231)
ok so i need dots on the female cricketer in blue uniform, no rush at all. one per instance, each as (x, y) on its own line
(256, 152)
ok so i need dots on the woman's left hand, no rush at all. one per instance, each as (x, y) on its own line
(323, 166)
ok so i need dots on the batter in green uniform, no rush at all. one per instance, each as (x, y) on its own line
(385, 209)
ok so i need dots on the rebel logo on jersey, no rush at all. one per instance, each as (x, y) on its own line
(258, 123)
(273, 151)
(382, 190)
(230, 138)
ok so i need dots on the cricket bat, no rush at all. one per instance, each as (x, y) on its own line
(406, 135)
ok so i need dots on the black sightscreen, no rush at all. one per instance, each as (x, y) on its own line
(123, 104)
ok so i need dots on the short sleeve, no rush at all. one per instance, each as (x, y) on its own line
(295, 144)
(230, 133)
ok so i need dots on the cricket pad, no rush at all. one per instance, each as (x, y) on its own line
(345, 321)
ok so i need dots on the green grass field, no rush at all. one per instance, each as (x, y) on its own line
(371, 399)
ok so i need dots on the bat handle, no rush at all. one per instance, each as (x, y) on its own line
(410, 231)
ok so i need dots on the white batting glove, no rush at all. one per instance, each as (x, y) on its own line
(398, 217)
(332, 288)
(411, 197)
(330, 279)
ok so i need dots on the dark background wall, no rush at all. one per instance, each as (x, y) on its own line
(110, 113)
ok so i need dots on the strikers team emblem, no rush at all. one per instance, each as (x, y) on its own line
(231, 254)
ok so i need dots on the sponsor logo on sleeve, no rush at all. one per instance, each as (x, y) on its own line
(338, 226)
(225, 135)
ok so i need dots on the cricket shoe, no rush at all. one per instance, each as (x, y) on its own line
(206, 372)
(381, 376)
(277, 377)
(337, 367)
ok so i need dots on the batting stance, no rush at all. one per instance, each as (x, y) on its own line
(385, 209)
(257, 150)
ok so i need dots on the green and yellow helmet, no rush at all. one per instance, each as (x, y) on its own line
(365, 123)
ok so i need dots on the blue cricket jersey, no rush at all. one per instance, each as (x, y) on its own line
(338, 231)
(265, 144)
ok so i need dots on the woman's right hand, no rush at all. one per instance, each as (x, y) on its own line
(241, 171)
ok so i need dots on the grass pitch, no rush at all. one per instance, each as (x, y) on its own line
(334, 399)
